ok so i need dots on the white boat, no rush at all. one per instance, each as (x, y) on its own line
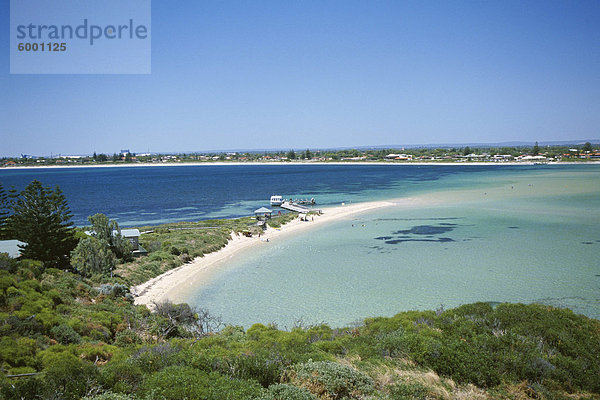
(276, 200)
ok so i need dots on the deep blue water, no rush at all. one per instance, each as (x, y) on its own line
(492, 233)
(136, 196)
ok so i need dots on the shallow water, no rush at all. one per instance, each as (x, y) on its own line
(484, 233)
(527, 237)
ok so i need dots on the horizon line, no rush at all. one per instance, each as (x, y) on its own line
(340, 148)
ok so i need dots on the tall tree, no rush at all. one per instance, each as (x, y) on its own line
(93, 256)
(536, 149)
(291, 155)
(5, 204)
(587, 147)
(103, 229)
(42, 219)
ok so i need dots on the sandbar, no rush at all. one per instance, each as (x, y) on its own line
(170, 284)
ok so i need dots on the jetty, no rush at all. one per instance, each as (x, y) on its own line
(297, 208)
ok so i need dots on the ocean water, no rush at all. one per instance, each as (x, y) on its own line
(136, 196)
(528, 237)
(481, 233)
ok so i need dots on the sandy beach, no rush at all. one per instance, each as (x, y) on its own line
(175, 284)
(171, 284)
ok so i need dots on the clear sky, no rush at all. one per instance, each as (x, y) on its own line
(316, 74)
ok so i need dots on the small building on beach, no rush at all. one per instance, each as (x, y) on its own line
(263, 213)
(133, 235)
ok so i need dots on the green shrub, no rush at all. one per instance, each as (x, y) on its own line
(264, 367)
(122, 376)
(182, 382)
(407, 391)
(24, 388)
(126, 338)
(325, 378)
(281, 391)
(391, 344)
(114, 290)
(155, 358)
(64, 334)
(67, 375)
(18, 352)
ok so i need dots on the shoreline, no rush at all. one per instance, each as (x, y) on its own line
(296, 163)
(176, 282)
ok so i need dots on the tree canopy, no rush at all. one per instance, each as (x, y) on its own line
(103, 228)
(93, 256)
(4, 212)
(42, 219)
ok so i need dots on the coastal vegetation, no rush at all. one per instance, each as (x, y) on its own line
(572, 153)
(171, 245)
(70, 330)
(40, 218)
(65, 337)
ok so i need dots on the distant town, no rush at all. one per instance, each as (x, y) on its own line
(533, 154)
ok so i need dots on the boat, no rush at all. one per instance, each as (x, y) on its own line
(276, 200)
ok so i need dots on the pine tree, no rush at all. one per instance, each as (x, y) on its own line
(536, 149)
(42, 219)
(4, 213)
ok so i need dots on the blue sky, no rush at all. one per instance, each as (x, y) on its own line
(316, 74)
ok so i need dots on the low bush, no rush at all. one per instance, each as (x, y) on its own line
(326, 378)
(64, 334)
(182, 382)
(282, 391)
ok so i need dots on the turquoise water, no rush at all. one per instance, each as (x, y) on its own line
(524, 236)
(484, 233)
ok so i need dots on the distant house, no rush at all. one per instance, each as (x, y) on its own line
(133, 235)
(11, 247)
(399, 156)
(533, 158)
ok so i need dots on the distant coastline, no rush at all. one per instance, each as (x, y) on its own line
(280, 163)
